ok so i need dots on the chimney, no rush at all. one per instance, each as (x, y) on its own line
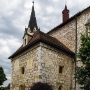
(65, 14)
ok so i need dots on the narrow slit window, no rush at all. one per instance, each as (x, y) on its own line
(61, 69)
(22, 70)
(25, 41)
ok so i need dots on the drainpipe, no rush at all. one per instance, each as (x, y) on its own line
(75, 49)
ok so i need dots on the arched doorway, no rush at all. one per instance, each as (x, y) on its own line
(22, 87)
(60, 87)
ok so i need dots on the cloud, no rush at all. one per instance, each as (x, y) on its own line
(7, 47)
(15, 15)
(7, 81)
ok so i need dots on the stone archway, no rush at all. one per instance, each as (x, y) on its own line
(22, 87)
(60, 87)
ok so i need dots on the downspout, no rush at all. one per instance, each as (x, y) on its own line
(75, 49)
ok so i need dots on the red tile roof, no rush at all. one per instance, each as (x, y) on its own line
(45, 38)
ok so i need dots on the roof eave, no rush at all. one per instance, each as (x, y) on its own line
(44, 41)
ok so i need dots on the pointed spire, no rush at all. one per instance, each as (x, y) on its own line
(65, 7)
(32, 22)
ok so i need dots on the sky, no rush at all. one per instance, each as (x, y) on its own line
(15, 15)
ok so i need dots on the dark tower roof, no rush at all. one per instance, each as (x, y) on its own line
(32, 21)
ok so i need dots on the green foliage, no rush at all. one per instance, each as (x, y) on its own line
(8, 86)
(41, 86)
(1, 88)
(5, 88)
(2, 76)
(83, 73)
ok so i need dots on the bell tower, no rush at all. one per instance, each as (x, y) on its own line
(32, 27)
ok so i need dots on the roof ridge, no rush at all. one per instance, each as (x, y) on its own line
(54, 39)
(71, 18)
(45, 38)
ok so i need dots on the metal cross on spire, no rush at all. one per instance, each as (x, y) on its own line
(65, 5)
(33, 2)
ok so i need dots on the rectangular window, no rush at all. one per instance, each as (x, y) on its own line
(61, 69)
(25, 41)
(22, 70)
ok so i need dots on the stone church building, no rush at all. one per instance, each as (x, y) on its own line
(50, 57)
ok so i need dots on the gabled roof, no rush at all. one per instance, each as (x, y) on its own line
(45, 38)
(70, 19)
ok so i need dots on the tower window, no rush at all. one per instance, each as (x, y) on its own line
(61, 69)
(25, 41)
(22, 70)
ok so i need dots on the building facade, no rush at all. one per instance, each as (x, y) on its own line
(49, 57)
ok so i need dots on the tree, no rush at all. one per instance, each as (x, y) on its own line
(8, 86)
(2, 76)
(83, 73)
(41, 86)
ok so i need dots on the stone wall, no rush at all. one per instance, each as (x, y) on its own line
(51, 59)
(41, 63)
(81, 28)
(66, 34)
(28, 60)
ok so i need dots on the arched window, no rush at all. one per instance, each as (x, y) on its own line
(22, 87)
(88, 27)
(60, 87)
